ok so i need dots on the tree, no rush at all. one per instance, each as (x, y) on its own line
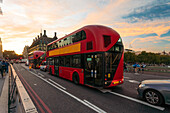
(144, 57)
(130, 57)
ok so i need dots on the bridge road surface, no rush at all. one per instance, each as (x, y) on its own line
(54, 94)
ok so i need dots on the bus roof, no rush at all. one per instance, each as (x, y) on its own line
(89, 27)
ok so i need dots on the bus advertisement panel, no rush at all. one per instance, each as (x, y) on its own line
(92, 55)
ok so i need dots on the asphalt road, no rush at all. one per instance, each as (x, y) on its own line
(57, 95)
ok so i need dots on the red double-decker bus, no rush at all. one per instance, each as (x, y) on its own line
(92, 55)
(34, 58)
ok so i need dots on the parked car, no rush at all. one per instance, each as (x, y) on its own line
(156, 92)
(43, 66)
(23, 60)
(27, 62)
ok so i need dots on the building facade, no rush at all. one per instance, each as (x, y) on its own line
(40, 42)
(25, 52)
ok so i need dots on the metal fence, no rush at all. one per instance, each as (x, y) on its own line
(150, 69)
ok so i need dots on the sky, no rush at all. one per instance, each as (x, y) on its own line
(144, 25)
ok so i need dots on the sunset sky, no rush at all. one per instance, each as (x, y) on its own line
(142, 24)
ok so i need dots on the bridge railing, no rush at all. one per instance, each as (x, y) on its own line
(151, 69)
(19, 100)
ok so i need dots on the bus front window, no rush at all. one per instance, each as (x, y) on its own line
(111, 61)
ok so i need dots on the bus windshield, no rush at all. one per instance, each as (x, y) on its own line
(112, 58)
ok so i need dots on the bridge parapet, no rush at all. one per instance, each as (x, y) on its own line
(23, 101)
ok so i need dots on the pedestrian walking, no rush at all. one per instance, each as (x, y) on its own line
(30, 66)
(125, 67)
(12, 62)
(137, 68)
(134, 67)
(142, 67)
(1, 68)
(6, 66)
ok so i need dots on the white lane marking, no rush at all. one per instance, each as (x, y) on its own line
(99, 110)
(57, 84)
(139, 101)
(41, 74)
(105, 90)
(134, 81)
(76, 98)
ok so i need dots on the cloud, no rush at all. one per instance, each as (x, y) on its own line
(155, 10)
(24, 19)
(166, 34)
(136, 29)
(148, 43)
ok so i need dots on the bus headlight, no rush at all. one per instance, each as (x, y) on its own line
(141, 85)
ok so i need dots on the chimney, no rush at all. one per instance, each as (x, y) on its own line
(44, 34)
(55, 36)
(40, 35)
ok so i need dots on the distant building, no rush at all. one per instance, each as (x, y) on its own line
(129, 50)
(132, 51)
(164, 53)
(138, 52)
(25, 52)
(1, 53)
(40, 42)
(9, 54)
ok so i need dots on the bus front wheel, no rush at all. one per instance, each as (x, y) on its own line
(75, 78)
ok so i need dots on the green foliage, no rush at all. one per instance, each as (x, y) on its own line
(130, 57)
(144, 57)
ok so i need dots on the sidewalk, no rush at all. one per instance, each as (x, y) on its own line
(4, 84)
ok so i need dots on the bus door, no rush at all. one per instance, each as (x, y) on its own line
(56, 66)
(98, 70)
(94, 69)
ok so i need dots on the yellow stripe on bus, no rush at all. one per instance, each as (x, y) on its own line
(65, 50)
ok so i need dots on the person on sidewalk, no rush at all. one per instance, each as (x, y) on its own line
(6, 66)
(1, 68)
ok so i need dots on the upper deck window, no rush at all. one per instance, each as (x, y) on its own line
(118, 47)
(107, 40)
(68, 40)
(79, 36)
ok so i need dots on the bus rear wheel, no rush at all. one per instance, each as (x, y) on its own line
(76, 78)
